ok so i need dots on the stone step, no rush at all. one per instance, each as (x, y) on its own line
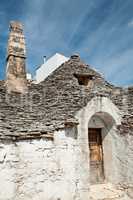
(107, 192)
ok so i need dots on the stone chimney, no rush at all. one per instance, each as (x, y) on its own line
(75, 57)
(16, 56)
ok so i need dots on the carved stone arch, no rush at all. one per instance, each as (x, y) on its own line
(105, 110)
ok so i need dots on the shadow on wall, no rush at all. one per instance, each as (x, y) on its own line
(101, 120)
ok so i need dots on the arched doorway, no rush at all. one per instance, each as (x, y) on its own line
(101, 109)
(100, 146)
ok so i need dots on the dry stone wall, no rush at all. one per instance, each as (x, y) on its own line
(57, 99)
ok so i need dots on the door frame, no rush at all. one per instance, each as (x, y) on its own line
(96, 163)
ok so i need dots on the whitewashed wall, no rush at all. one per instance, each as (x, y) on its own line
(117, 149)
(49, 66)
(40, 169)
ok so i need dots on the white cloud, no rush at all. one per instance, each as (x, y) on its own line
(65, 28)
(130, 23)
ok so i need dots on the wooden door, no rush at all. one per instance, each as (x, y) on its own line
(96, 155)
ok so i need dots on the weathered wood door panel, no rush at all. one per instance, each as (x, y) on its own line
(96, 155)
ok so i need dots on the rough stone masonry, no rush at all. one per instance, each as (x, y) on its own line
(46, 152)
(15, 70)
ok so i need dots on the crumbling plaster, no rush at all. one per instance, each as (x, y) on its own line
(40, 169)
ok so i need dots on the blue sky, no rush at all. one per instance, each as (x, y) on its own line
(101, 31)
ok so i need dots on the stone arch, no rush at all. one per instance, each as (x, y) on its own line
(100, 104)
(102, 109)
(104, 125)
(100, 119)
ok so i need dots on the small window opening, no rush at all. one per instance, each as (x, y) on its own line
(84, 79)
